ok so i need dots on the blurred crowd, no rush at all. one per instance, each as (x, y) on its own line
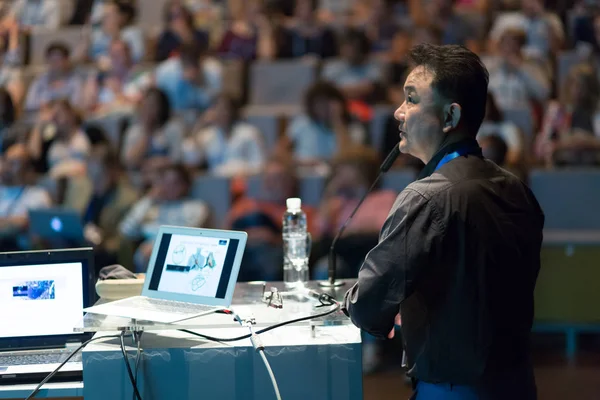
(112, 109)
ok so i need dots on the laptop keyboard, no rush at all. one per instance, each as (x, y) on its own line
(169, 306)
(33, 358)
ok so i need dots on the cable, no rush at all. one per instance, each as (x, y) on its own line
(278, 325)
(137, 336)
(129, 372)
(47, 378)
(270, 371)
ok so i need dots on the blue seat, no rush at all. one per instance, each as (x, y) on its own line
(569, 197)
(311, 188)
(280, 82)
(216, 193)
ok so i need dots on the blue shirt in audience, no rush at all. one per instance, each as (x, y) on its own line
(131, 35)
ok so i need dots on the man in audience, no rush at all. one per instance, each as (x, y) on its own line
(18, 195)
(167, 203)
(494, 148)
(60, 81)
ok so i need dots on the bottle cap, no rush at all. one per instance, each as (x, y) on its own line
(293, 203)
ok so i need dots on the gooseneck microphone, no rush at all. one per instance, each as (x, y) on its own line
(385, 166)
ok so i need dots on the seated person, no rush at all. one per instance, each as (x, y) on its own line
(60, 146)
(59, 82)
(354, 74)
(354, 171)
(104, 91)
(190, 80)
(11, 73)
(154, 135)
(8, 135)
(261, 217)
(224, 143)
(180, 29)
(18, 195)
(305, 35)
(326, 127)
(103, 197)
(167, 203)
(38, 15)
(117, 24)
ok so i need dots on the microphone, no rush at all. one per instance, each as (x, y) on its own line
(385, 167)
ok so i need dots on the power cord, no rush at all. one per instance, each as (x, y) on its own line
(324, 299)
(47, 378)
(137, 336)
(136, 392)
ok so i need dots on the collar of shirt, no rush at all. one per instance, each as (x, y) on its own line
(463, 147)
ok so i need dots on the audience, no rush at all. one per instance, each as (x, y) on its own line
(155, 134)
(59, 145)
(494, 148)
(8, 135)
(60, 81)
(179, 31)
(39, 15)
(224, 143)
(167, 203)
(18, 195)
(325, 129)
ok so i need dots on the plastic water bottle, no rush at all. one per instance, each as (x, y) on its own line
(296, 244)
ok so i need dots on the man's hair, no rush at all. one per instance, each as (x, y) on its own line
(59, 47)
(458, 76)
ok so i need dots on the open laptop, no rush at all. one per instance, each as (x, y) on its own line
(56, 223)
(43, 294)
(192, 272)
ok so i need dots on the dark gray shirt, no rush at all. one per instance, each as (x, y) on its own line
(458, 257)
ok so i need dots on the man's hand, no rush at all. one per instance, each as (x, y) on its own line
(397, 321)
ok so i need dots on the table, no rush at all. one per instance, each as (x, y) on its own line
(318, 359)
(311, 360)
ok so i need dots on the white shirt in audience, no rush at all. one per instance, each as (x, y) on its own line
(166, 141)
(42, 14)
(241, 152)
(16, 201)
(69, 155)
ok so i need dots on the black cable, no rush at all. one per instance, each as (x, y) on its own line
(129, 371)
(137, 336)
(47, 378)
(278, 325)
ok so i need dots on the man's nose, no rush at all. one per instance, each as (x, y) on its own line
(399, 114)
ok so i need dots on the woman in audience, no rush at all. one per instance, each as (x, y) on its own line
(8, 135)
(180, 29)
(571, 126)
(250, 34)
(167, 203)
(155, 135)
(224, 143)
(305, 35)
(117, 23)
(10, 53)
(59, 145)
(325, 129)
(495, 125)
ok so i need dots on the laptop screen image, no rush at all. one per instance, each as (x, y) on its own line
(40, 299)
(194, 265)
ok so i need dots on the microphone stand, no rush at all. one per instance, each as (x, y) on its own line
(331, 282)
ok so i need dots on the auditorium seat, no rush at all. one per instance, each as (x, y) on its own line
(398, 179)
(216, 192)
(311, 188)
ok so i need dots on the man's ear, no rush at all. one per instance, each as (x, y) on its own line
(452, 114)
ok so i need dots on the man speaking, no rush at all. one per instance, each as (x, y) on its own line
(459, 254)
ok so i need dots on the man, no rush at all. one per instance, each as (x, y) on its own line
(459, 254)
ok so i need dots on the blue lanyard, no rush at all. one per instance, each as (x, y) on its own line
(449, 157)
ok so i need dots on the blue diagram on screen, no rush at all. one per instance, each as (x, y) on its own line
(34, 290)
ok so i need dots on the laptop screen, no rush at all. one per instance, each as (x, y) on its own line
(40, 299)
(194, 265)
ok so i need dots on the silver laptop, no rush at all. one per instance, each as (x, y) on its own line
(192, 272)
(43, 294)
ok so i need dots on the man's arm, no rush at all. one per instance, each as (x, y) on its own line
(391, 270)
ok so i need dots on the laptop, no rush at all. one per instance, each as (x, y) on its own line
(192, 272)
(56, 223)
(43, 294)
